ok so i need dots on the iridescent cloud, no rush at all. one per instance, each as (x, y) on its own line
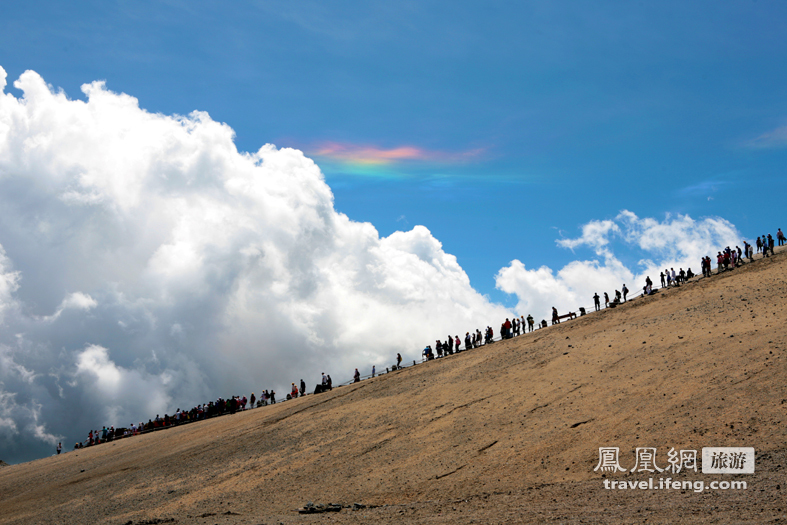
(359, 154)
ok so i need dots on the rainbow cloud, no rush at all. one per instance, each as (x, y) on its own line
(364, 155)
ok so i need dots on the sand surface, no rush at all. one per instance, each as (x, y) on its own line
(505, 433)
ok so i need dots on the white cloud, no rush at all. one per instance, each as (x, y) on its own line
(73, 301)
(676, 242)
(78, 301)
(594, 234)
(152, 256)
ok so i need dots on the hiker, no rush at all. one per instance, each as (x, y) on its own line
(303, 388)
(770, 243)
(689, 274)
(59, 447)
(294, 391)
(450, 343)
(273, 397)
(252, 399)
(468, 341)
(625, 292)
(597, 301)
(324, 380)
(759, 245)
(662, 280)
(606, 300)
(356, 376)
(555, 317)
(507, 326)
(330, 382)
(780, 237)
(399, 356)
(530, 322)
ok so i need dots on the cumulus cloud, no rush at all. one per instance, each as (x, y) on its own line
(148, 264)
(676, 242)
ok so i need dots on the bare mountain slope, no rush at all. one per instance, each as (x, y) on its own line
(509, 432)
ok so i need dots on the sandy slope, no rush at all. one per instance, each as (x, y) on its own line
(506, 433)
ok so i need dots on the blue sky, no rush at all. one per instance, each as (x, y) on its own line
(576, 111)
(145, 265)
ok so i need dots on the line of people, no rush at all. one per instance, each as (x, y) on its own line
(211, 409)
(726, 259)
(508, 329)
